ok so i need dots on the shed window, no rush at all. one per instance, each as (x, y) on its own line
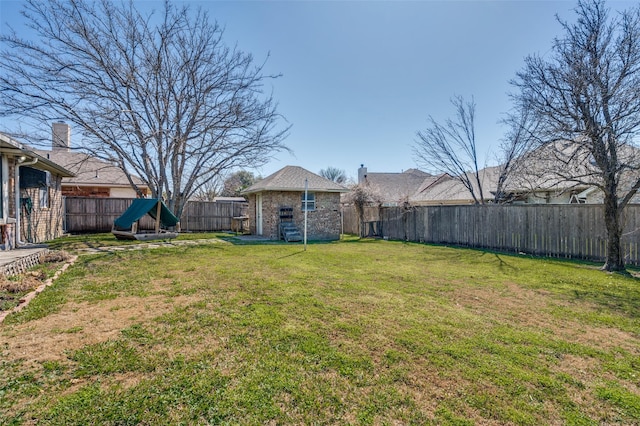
(309, 204)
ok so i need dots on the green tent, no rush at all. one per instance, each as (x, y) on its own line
(125, 227)
(143, 206)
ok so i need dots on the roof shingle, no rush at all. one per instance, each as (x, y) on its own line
(89, 170)
(292, 178)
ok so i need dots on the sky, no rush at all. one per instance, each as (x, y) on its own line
(360, 78)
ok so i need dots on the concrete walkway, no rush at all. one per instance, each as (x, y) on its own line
(154, 245)
(10, 256)
(17, 261)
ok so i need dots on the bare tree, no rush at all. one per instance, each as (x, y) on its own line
(586, 91)
(209, 191)
(512, 155)
(158, 94)
(450, 147)
(362, 195)
(334, 174)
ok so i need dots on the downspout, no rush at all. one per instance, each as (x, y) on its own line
(16, 181)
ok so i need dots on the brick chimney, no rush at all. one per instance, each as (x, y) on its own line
(362, 174)
(61, 137)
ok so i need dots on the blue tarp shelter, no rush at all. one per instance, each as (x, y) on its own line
(123, 227)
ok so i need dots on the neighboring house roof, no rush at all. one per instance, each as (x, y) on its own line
(292, 178)
(429, 182)
(567, 167)
(11, 146)
(397, 187)
(448, 190)
(90, 171)
(556, 166)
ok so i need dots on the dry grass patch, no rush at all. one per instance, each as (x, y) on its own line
(23, 284)
(14, 289)
(56, 256)
(78, 325)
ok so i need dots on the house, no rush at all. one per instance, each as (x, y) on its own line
(279, 200)
(557, 173)
(394, 189)
(92, 177)
(523, 186)
(30, 195)
(412, 186)
(450, 191)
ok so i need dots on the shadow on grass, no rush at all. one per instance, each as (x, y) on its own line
(249, 240)
(502, 264)
(350, 238)
(628, 303)
(291, 254)
(624, 299)
(242, 241)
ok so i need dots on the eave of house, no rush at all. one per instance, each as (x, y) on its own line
(98, 185)
(12, 147)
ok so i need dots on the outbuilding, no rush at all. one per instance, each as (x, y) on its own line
(277, 205)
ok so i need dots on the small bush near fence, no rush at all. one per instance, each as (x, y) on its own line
(86, 215)
(567, 230)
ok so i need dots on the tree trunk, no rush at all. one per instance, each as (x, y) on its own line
(612, 219)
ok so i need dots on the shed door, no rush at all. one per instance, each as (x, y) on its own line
(259, 214)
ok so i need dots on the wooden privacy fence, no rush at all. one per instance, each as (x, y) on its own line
(568, 230)
(84, 214)
(204, 216)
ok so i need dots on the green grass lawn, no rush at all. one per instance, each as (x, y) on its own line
(352, 332)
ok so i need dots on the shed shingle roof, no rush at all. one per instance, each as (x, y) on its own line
(292, 178)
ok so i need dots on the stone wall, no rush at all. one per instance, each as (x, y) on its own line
(323, 223)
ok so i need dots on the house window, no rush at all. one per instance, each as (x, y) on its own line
(309, 204)
(44, 192)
